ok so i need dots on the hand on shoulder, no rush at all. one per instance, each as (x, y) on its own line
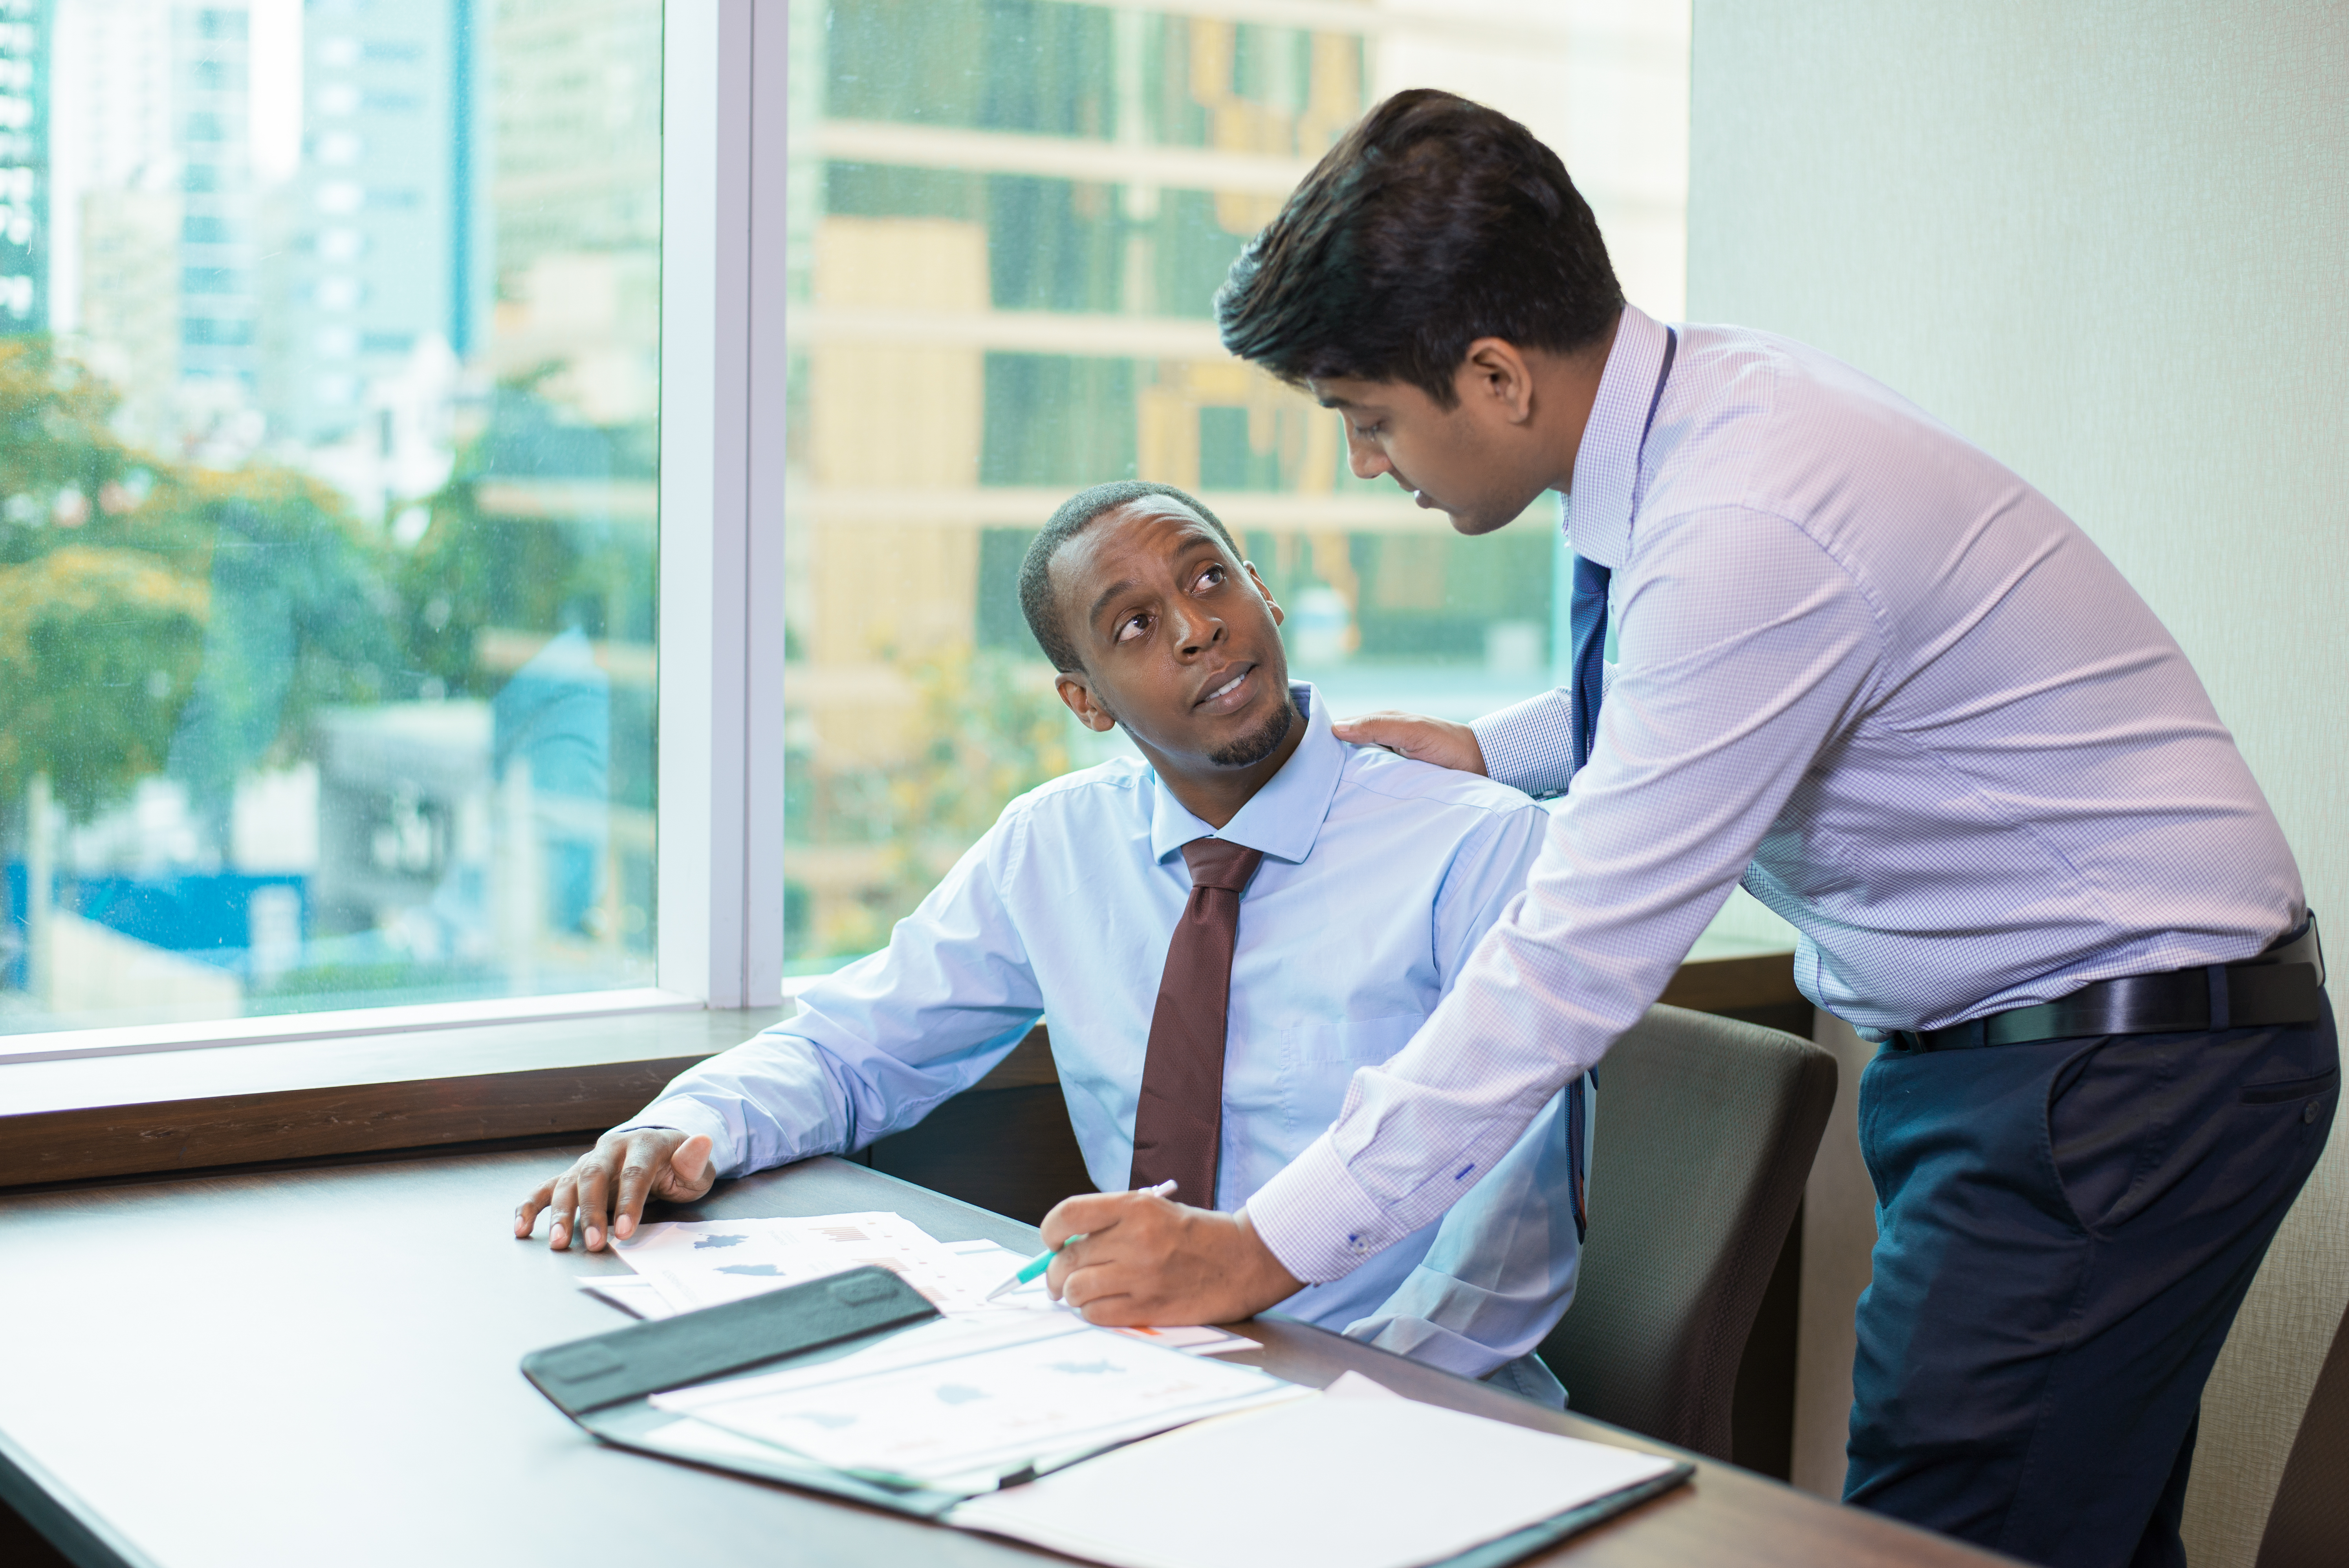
(615, 1179)
(1412, 735)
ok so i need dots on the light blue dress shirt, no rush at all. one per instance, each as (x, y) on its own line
(1379, 877)
(1866, 669)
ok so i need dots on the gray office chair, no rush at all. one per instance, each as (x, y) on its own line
(1703, 1140)
(2308, 1525)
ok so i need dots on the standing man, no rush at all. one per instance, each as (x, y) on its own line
(1825, 646)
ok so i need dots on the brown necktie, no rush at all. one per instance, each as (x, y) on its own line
(1179, 1119)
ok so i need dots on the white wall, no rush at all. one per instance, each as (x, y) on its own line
(1603, 82)
(2108, 240)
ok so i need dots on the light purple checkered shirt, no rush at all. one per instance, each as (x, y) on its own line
(1859, 666)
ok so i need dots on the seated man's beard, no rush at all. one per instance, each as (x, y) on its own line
(1250, 750)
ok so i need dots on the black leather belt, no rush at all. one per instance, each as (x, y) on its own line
(2279, 987)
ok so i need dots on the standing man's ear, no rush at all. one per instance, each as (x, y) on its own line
(1084, 704)
(1494, 373)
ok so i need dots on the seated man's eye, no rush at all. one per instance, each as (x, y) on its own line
(1133, 627)
(1212, 576)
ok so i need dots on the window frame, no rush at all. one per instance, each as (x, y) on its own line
(725, 372)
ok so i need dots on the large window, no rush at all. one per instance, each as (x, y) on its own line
(327, 503)
(1009, 219)
(338, 408)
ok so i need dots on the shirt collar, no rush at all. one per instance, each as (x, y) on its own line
(1283, 818)
(1607, 465)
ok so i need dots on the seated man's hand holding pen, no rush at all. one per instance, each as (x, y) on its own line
(1139, 1259)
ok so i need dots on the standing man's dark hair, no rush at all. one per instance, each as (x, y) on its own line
(1434, 221)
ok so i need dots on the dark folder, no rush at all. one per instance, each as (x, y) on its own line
(605, 1382)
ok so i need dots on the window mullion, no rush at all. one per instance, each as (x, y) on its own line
(707, 880)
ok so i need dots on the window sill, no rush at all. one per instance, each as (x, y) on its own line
(92, 1118)
(89, 1116)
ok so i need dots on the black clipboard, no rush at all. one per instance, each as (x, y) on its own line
(605, 1383)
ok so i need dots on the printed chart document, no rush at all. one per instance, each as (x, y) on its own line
(962, 1403)
(695, 1263)
(683, 1265)
(1362, 1483)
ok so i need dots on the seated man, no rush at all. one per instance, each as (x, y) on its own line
(1359, 883)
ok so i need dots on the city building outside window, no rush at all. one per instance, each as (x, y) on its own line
(1007, 223)
(329, 365)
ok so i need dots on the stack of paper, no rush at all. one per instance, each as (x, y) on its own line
(961, 1403)
(1369, 1483)
(1111, 1445)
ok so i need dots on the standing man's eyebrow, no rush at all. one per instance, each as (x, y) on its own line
(1331, 400)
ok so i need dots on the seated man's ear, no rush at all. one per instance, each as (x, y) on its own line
(1079, 695)
(1271, 602)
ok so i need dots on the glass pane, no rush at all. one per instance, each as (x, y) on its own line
(1012, 218)
(327, 503)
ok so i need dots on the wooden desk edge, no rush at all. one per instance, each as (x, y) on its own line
(318, 1116)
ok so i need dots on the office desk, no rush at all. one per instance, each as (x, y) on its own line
(319, 1366)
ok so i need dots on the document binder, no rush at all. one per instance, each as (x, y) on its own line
(604, 1384)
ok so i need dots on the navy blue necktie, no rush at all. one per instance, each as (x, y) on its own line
(1587, 616)
(1586, 611)
(1586, 625)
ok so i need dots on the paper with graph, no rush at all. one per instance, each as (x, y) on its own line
(683, 1265)
(978, 1398)
(696, 1264)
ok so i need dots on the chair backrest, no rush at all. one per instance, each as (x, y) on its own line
(1703, 1140)
(2308, 1525)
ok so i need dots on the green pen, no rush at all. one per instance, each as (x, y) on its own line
(1035, 1266)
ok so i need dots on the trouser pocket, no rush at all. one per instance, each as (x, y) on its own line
(2292, 1089)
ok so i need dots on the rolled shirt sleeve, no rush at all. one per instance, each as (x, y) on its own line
(1746, 649)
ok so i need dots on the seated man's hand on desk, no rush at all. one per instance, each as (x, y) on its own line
(1142, 1260)
(615, 1179)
